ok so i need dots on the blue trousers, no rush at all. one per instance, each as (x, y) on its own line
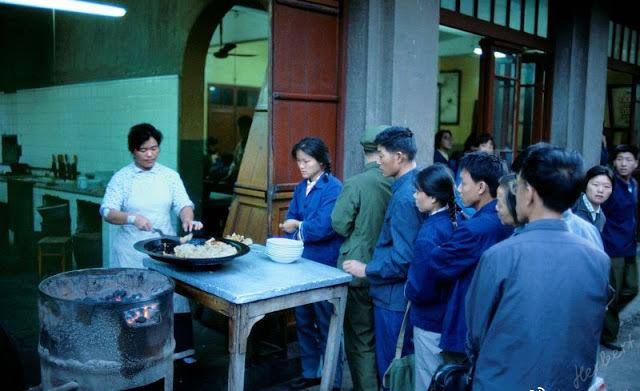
(387, 329)
(312, 327)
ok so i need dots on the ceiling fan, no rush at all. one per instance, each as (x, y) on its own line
(225, 49)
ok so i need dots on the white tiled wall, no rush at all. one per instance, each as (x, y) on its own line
(91, 120)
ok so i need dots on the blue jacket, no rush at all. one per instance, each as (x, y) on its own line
(387, 271)
(321, 243)
(453, 264)
(428, 302)
(535, 309)
(619, 233)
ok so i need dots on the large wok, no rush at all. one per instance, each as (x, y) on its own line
(157, 247)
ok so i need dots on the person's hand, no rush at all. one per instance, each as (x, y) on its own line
(290, 226)
(192, 225)
(142, 223)
(355, 268)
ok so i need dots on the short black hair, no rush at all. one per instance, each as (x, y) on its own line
(140, 133)
(517, 163)
(483, 166)
(437, 182)
(507, 183)
(483, 139)
(438, 137)
(398, 139)
(597, 171)
(315, 148)
(556, 174)
(622, 148)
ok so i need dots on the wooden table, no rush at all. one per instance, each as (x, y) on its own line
(251, 286)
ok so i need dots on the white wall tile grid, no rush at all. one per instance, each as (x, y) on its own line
(91, 120)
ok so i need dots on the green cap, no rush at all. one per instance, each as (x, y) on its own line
(369, 136)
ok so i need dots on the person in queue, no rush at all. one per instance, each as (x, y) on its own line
(453, 262)
(387, 271)
(506, 202)
(142, 196)
(358, 217)
(433, 196)
(481, 143)
(535, 306)
(619, 236)
(443, 144)
(597, 190)
(309, 220)
(576, 225)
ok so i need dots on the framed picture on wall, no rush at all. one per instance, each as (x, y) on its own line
(620, 106)
(449, 97)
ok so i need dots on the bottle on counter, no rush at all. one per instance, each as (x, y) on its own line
(62, 169)
(74, 168)
(54, 167)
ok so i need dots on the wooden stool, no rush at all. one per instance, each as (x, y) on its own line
(53, 246)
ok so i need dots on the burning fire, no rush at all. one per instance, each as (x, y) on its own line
(141, 315)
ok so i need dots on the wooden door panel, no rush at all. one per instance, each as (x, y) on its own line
(293, 121)
(305, 51)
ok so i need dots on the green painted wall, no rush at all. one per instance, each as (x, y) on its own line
(235, 70)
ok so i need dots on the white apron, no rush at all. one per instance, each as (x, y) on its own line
(156, 207)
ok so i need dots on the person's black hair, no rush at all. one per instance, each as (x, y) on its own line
(469, 144)
(556, 174)
(485, 167)
(140, 133)
(438, 137)
(517, 163)
(622, 148)
(437, 181)
(315, 148)
(398, 139)
(212, 141)
(507, 183)
(483, 139)
(596, 171)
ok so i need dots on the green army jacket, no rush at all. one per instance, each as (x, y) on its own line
(359, 213)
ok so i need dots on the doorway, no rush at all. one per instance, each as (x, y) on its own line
(235, 73)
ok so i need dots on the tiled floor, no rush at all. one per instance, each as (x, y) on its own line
(19, 317)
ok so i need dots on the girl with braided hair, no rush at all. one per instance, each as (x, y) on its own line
(434, 196)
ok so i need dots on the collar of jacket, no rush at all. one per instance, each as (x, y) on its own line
(546, 224)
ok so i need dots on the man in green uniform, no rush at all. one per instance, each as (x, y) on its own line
(358, 216)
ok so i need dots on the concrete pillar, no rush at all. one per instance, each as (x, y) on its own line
(392, 72)
(580, 77)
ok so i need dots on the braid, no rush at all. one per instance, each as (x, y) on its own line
(453, 208)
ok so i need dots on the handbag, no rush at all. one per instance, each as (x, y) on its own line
(400, 376)
(452, 377)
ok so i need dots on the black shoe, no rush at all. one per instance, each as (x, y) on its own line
(303, 382)
(612, 346)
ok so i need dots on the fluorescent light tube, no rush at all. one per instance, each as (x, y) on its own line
(83, 7)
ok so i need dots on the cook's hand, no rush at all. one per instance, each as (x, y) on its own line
(355, 268)
(290, 226)
(142, 223)
(192, 225)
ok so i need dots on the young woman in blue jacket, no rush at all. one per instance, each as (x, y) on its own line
(434, 196)
(309, 220)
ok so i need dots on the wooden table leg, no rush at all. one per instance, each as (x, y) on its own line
(333, 340)
(239, 329)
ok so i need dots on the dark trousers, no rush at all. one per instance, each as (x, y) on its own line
(387, 326)
(624, 279)
(312, 327)
(359, 339)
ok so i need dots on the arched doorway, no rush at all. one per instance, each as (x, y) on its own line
(301, 98)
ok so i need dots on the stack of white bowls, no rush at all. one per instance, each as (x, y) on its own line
(284, 250)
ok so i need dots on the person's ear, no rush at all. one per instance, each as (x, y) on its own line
(482, 187)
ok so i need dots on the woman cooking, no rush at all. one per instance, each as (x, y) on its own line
(141, 197)
(309, 220)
